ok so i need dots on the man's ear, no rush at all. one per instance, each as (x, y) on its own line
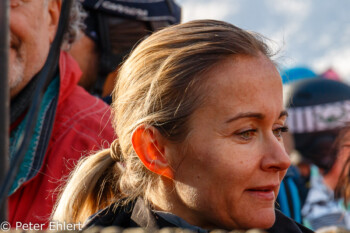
(148, 145)
(54, 11)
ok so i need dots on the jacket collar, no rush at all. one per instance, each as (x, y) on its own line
(70, 74)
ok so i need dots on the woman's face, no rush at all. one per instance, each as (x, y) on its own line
(229, 173)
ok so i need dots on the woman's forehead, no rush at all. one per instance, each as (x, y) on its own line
(243, 85)
(244, 77)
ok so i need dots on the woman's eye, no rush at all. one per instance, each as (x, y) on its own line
(247, 135)
(278, 132)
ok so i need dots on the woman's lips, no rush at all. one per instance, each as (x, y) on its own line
(265, 192)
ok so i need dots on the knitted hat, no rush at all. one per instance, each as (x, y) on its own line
(318, 108)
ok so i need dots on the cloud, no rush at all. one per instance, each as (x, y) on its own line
(338, 59)
(297, 9)
(210, 9)
(310, 32)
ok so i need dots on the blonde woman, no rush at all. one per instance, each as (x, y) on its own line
(199, 114)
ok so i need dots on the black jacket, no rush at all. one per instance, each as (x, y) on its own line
(138, 214)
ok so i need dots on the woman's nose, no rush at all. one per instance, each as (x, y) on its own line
(275, 157)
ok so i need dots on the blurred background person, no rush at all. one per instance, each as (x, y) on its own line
(293, 191)
(112, 29)
(343, 146)
(342, 190)
(318, 110)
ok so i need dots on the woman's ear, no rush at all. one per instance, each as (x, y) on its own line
(148, 145)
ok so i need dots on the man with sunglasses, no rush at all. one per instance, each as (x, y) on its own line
(70, 121)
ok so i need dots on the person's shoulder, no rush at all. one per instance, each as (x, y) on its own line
(82, 124)
(80, 99)
(82, 108)
(285, 224)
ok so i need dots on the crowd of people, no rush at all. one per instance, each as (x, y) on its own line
(149, 122)
(318, 116)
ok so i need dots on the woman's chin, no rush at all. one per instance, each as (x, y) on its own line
(260, 219)
(265, 219)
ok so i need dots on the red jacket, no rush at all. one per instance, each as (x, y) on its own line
(82, 124)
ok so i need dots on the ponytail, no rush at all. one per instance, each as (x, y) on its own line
(92, 186)
(163, 94)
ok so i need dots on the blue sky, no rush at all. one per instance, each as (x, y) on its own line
(313, 33)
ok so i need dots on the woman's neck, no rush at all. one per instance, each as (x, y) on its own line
(165, 198)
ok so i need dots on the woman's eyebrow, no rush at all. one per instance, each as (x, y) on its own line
(246, 115)
(256, 115)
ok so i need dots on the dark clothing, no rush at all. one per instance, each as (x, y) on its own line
(138, 214)
(285, 224)
(292, 194)
(135, 214)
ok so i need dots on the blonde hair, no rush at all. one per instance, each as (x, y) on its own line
(342, 189)
(161, 84)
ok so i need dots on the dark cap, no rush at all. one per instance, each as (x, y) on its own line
(318, 109)
(143, 10)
